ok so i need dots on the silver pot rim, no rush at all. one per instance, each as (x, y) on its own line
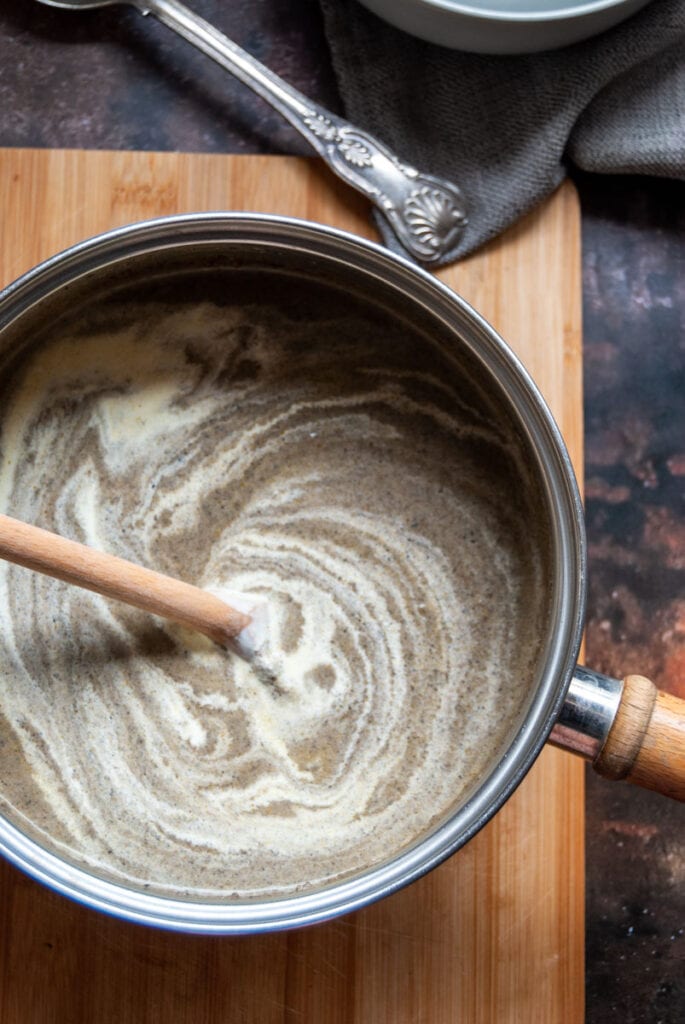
(371, 262)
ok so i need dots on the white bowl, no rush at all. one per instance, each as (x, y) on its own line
(504, 26)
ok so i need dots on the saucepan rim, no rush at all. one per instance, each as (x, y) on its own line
(370, 263)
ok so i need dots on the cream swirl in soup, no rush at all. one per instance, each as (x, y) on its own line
(343, 468)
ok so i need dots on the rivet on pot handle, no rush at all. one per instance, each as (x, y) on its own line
(628, 729)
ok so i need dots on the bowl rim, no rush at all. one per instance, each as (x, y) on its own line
(560, 12)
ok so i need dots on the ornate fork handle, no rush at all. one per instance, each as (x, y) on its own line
(426, 213)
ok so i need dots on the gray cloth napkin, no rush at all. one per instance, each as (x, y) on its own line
(505, 128)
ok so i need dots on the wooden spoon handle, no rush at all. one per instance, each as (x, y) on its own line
(110, 576)
(646, 743)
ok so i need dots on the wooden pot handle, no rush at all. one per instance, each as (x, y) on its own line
(646, 743)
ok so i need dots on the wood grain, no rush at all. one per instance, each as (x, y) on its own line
(646, 743)
(495, 934)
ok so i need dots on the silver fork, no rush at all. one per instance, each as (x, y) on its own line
(426, 214)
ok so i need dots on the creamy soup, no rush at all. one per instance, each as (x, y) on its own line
(340, 465)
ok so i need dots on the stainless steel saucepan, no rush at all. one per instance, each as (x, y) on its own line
(626, 728)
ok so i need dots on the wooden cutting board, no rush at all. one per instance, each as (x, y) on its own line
(494, 935)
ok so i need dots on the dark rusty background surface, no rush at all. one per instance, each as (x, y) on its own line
(634, 352)
(110, 79)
